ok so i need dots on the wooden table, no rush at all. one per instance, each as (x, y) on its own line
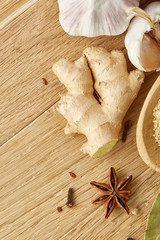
(36, 156)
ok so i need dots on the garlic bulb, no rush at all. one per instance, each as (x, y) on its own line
(142, 40)
(92, 18)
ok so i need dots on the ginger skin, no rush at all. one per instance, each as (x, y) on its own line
(100, 123)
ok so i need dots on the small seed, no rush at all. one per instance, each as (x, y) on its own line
(73, 175)
(59, 209)
(44, 81)
(135, 211)
(69, 202)
(130, 239)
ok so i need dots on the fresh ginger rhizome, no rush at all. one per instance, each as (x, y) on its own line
(107, 74)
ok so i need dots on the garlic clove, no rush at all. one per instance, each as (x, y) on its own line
(142, 39)
(141, 13)
(92, 18)
(149, 53)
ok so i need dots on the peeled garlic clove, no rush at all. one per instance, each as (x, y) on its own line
(142, 39)
(92, 18)
(149, 53)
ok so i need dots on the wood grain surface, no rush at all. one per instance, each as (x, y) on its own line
(10, 10)
(36, 156)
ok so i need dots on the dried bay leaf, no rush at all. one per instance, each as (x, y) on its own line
(153, 222)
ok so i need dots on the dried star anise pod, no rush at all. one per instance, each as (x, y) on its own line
(113, 193)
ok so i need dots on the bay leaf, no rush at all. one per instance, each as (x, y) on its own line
(153, 222)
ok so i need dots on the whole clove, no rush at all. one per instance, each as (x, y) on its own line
(128, 124)
(69, 202)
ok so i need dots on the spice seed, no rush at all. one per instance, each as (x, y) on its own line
(59, 209)
(130, 239)
(135, 211)
(44, 81)
(146, 204)
(73, 175)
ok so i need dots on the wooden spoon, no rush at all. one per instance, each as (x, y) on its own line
(147, 147)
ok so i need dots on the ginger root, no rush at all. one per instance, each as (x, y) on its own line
(106, 73)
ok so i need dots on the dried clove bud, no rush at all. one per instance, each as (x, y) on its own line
(128, 124)
(69, 202)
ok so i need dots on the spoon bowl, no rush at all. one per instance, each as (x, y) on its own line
(147, 147)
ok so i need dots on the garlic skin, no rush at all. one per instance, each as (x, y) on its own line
(92, 18)
(138, 39)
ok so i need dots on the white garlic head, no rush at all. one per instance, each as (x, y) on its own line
(142, 40)
(92, 18)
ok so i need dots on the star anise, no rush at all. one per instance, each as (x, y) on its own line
(113, 193)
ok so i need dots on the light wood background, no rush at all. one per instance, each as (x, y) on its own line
(36, 156)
